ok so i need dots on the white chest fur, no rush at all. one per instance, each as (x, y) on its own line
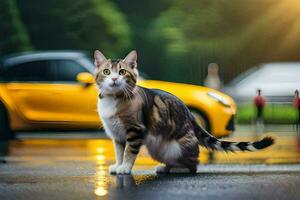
(107, 108)
(163, 151)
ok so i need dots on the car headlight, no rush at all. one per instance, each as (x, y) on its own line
(218, 98)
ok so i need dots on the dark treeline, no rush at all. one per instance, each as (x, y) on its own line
(175, 39)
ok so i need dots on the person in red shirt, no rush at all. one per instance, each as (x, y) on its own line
(259, 102)
(296, 102)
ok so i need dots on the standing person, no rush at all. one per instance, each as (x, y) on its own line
(296, 103)
(212, 79)
(259, 102)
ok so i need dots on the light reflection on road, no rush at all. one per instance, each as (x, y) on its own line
(37, 154)
(101, 182)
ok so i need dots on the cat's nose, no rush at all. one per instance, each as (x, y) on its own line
(114, 79)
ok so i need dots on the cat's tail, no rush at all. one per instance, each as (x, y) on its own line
(209, 141)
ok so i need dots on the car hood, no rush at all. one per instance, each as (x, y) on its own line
(182, 90)
(165, 85)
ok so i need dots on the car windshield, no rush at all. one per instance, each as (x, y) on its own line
(244, 76)
(88, 63)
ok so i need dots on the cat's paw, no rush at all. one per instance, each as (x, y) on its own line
(124, 169)
(113, 168)
(161, 169)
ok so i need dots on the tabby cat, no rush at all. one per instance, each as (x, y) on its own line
(133, 116)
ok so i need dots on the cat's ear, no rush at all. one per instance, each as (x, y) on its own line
(99, 58)
(131, 59)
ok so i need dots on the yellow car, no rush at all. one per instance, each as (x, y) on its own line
(56, 91)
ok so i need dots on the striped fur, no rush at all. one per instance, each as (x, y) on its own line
(134, 116)
(209, 141)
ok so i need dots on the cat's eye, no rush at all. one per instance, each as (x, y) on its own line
(122, 72)
(106, 72)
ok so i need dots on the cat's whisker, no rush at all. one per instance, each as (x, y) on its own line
(145, 96)
(130, 89)
(125, 93)
(129, 93)
(127, 97)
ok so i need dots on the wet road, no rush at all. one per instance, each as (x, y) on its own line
(36, 167)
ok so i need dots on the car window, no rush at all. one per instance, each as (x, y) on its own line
(67, 70)
(30, 71)
(276, 74)
(243, 76)
(284, 74)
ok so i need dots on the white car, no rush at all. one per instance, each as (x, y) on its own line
(278, 82)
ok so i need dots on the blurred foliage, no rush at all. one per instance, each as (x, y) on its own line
(13, 34)
(175, 40)
(141, 15)
(81, 24)
(273, 114)
(235, 34)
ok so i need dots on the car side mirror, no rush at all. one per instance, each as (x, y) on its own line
(85, 78)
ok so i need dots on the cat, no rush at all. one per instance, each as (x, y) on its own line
(133, 116)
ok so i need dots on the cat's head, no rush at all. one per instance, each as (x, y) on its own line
(115, 77)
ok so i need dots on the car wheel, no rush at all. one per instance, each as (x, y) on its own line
(201, 119)
(5, 132)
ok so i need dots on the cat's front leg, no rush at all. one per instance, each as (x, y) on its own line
(119, 153)
(134, 141)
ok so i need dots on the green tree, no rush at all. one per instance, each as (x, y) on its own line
(236, 34)
(195, 33)
(82, 24)
(13, 34)
(140, 16)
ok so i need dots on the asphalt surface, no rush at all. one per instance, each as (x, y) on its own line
(36, 167)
